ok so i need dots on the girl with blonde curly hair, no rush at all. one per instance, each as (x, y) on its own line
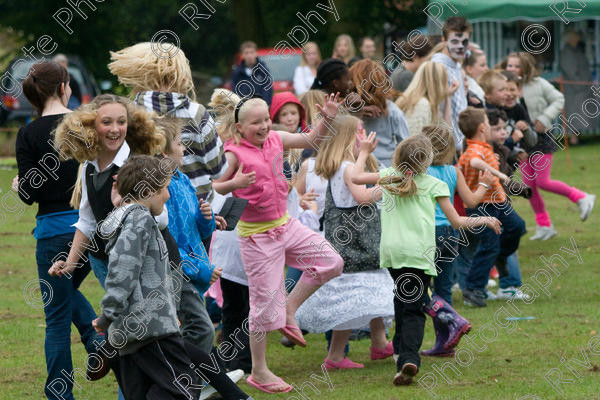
(101, 135)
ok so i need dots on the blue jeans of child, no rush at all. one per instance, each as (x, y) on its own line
(462, 262)
(442, 283)
(63, 304)
(513, 279)
(491, 245)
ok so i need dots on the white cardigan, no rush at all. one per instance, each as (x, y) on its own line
(544, 102)
(303, 79)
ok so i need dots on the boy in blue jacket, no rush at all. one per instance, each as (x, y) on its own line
(190, 221)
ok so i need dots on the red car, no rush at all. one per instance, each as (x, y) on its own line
(282, 67)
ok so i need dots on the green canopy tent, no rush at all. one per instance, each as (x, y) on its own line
(501, 26)
(496, 24)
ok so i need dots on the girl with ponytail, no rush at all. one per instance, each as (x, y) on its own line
(409, 196)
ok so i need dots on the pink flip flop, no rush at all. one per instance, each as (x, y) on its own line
(265, 386)
(289, 332)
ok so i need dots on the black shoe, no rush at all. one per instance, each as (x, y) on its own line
(474, 298)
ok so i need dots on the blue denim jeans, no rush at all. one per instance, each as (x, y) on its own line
(462, 263)
(442, 283)
(64, 303)
(491, 246)
(100, 268)
(513, 279)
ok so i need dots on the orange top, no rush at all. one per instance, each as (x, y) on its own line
(485, 152)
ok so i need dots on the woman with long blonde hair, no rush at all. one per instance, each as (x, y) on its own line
(363, 294)
(305, 73)
(425, 96)
(343, 48)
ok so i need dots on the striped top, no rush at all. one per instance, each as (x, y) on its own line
(204, 158)
(485, 152)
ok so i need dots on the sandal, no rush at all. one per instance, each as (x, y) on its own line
(289, 332)
(265, 386)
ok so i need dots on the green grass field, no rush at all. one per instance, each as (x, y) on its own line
(511, 365)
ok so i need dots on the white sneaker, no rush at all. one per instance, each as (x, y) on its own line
(586, 205)
(511, 293)
(455, 287)
(544, 232)
(492, 283)
(490, 296)
(208, 391)
(396, 357)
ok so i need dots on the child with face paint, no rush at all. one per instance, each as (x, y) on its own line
(455, 35)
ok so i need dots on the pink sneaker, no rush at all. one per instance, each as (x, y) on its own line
(346, 363)
(378, 354)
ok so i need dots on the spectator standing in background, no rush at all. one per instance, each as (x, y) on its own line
(305, 73)
(368, 48)
(75, 100)
(413, 53)
(253, 72)
(575, 66)
(343, 49)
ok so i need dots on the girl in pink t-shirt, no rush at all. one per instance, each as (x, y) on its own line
(269, 238)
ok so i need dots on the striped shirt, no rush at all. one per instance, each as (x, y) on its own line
(459, 98)
(203, 158)
(485, 152)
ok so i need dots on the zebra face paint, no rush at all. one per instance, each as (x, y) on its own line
(457, 44)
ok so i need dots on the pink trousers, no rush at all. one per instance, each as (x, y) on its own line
(264, 256)
(536, 174)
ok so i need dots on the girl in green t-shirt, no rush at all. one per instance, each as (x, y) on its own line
(409, 197)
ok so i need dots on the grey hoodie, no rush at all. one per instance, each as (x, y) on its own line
(138, 306)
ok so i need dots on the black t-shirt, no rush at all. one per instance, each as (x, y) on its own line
(43, 177)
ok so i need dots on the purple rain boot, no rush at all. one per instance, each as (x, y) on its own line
(443, 312)
(441, 336)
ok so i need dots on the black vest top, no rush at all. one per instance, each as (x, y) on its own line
(101, 206)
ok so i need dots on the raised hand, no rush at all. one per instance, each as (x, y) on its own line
(367, 143)
(242, 180)
(329, 109)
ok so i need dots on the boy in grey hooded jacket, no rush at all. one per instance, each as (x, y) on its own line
(138, 308)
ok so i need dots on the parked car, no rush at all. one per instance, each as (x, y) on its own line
(282, 67)
(17, 107)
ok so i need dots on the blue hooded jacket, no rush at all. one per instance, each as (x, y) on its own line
(188, 226)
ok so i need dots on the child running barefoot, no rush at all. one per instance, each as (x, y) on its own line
(269, 238)
(449, 327)
(407, 233)
(363, 294)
